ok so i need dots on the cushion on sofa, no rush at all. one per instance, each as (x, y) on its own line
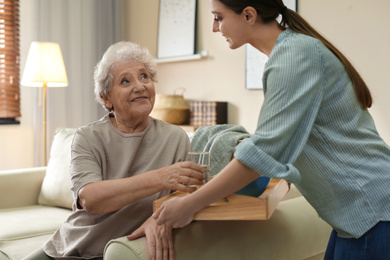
(20, 187)
(22, 222)
(56, 185)
(19, 248)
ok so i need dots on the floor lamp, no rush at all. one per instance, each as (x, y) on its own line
(44, 68)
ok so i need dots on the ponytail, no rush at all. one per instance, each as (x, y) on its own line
(296, 23)
(269, 10)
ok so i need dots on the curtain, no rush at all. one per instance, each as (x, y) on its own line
(84, 29)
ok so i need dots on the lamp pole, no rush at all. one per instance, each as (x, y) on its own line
(44, 124)
(44, 68)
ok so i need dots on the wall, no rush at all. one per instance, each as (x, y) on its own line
(358, 28)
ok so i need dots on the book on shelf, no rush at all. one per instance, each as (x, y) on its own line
(205, 113)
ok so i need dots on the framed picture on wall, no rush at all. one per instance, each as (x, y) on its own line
(255, 60)
(176, 28)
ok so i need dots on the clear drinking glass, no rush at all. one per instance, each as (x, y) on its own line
(203, 159)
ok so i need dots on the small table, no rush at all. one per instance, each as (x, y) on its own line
(239, 207)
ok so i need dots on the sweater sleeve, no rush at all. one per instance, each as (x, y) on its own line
(84, 167)
(292, 87)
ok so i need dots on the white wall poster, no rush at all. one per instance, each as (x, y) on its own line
(176, 28)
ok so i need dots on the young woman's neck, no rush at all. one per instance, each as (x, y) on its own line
(264, 36)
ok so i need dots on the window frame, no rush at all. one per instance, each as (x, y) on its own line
(9, 62)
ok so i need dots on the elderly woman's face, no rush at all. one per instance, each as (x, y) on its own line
(132, 93)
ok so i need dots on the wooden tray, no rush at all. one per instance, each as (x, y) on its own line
(239, 207)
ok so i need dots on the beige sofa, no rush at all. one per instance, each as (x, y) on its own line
(35, 201)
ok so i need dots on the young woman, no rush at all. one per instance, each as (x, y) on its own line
(314, 130)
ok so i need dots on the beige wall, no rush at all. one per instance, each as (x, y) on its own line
(358, 28)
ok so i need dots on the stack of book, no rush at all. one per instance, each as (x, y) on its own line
(204, 113)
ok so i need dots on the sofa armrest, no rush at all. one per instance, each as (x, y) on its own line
(293, 232)
(20, 187)
(292, 193)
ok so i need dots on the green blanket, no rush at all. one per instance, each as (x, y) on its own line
(220, 141)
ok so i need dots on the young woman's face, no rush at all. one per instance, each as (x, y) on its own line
(229, 23)
(132, 94)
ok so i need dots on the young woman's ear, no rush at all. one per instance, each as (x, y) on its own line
(250, 14)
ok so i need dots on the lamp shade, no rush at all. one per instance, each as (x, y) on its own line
(44, 66)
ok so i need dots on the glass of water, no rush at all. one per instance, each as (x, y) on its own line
(203, 159)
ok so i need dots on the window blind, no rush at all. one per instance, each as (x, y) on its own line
(9, 60)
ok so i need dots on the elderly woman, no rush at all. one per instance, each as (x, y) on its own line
(122, 163)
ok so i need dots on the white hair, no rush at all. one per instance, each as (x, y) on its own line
(119, 52)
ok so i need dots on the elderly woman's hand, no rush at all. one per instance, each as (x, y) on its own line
(180, 175)
(158, 239)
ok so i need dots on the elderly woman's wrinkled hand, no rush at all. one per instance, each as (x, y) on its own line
(181, 175)
(158, 239)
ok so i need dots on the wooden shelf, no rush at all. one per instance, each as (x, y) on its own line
(239, 207)
(198, 56)
(189, 128)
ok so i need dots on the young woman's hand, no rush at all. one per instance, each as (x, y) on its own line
(158, 239)
(178, 212)
(175, 212)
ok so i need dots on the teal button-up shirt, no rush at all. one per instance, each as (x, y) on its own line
(312, 132)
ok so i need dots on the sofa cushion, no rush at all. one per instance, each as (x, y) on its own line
(19, 248)
(22, 222)
(56, 185)
(20, 187)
